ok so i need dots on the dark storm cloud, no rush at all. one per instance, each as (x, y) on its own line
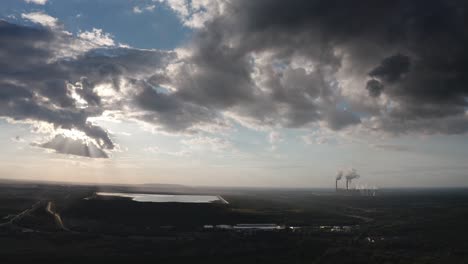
(220, 77)
(415, 49)
(170, 110)
(392, 68)
(35, 83)
(339, 119)
(32, 88)
(374, 87)
(454, 124)
(268, 62)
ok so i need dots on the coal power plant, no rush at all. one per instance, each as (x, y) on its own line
(349, 176)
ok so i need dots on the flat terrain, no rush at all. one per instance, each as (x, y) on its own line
(55, 223)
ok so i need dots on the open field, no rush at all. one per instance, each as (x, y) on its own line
(54, 222)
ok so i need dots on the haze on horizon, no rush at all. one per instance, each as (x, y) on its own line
(235, 93)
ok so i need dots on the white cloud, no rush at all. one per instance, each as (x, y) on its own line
(150, 8)
(181, 7)
(97, 37)
(274, 137)
(37, 2)
(196, 12)
(41, 18)
(66, 45)
(321, 136)
(139, 10)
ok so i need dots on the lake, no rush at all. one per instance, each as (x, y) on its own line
(166, 198)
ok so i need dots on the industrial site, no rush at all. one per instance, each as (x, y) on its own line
(350, 189)
(152, 222)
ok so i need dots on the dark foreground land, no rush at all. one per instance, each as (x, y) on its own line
(54, 223)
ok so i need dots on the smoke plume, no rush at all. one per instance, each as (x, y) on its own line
(339, 175)
(350, 175)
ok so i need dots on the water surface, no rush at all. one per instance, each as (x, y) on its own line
(166, 198)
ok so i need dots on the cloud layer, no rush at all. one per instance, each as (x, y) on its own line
(49, 76)
(383, 66)
(296, 62)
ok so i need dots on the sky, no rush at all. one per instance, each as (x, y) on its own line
(265, 93)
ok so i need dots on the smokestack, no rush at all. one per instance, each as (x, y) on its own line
(339, 175)
(350, 175)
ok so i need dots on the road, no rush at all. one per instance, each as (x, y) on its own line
(23, 214)
(58, 219)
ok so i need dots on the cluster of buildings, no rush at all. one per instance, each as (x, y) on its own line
(250, 227)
